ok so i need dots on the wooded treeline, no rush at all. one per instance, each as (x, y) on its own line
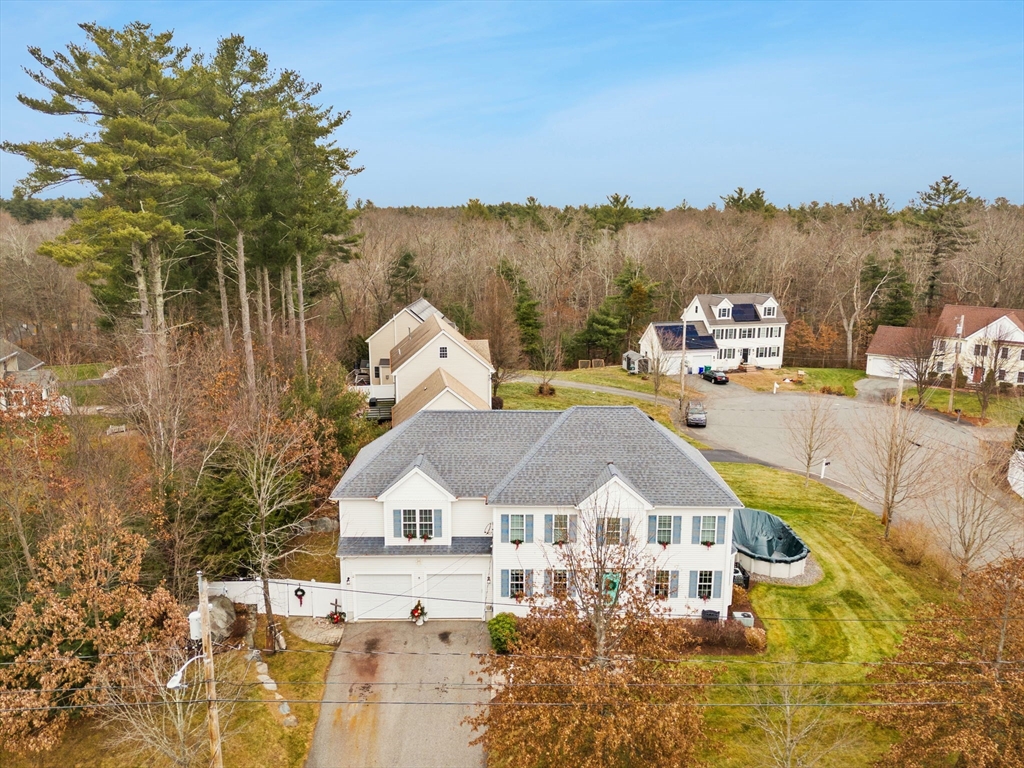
(838, 270)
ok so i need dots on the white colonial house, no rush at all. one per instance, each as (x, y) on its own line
(980, 340)
(747, 328)
(467, 511)
(420, 361)
(662, 344)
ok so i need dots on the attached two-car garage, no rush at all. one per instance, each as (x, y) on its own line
(447, 592)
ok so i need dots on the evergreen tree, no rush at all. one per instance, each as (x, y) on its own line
(942, 212)
(526, 310)
(897, 305)
(635, 301)
(754, 202)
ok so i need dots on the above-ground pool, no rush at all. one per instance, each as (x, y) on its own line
(766, 545)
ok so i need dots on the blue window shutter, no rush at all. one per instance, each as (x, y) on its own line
(652, 529)
(677, 529)
(504, 582)
(504, 533)
(650, 582)
(529, 530)
(695, 539)
(623, 530)
(437, 524)
(528, 581)
(572, 527)
(716, 585)
(693, 584)
(398, 523)
(547, 581)
(549, 528)
(673, 583)
(720, 531)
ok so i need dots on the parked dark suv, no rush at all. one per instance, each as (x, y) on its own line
(716, 377)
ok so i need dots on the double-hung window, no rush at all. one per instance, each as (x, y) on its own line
(707, 529)
(769, 311)
(725, 312)
(517, 528)
(613, 530)
(517, 582)
(409, 523)
(427, 522)
(559, 582)
(417, 523)
(747, 333)
(664, 529)
(981, 350)
(1004, 353)
(661, 584)
(560, 528)
(1020, 377)
(704, 581)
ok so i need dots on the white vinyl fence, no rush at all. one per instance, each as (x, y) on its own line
(319, 599)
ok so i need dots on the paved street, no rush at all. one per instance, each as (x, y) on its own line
(747, 426)
(401, 734)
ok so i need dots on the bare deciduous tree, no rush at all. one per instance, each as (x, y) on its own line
(893, 468)
(497, 320)
(915, 357)
(813, 433)
(795, 727)
(149, 722)
(268, 457)
(969, 520)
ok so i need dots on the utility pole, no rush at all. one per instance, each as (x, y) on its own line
(212, 714)
(682, 370)
(956, 362)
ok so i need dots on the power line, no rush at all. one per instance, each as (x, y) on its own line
(492, 703)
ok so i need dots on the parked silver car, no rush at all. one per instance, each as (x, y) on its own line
(696, 415)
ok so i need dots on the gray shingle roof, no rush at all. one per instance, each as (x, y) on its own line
(355, 546)
(545, 458)
(709, 303)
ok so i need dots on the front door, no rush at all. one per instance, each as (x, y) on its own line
(977, 374)
(746, 355)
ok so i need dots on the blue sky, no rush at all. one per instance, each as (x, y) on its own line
(570, 102)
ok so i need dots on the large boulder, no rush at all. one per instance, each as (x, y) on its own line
(222, 618)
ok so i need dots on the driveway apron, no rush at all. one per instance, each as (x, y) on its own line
(411, 687)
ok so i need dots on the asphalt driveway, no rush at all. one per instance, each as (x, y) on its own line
(405, 665)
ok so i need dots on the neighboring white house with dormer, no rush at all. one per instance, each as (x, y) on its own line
(381, 342)
(980, 340)
(466, 511)
(418, 360)
(748, 328)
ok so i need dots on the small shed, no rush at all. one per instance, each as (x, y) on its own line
(631, 360)
(634, 362)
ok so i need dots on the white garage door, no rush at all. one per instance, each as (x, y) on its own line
(376, 595)
(462, 593)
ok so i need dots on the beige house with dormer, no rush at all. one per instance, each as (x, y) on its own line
(420, 361)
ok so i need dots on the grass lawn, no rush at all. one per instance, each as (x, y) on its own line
(863, 579)
(524, 397)
(318, 560)
(80, 372)
(86, 394)
(813, 380)
(1003, 410)
(614, 376)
